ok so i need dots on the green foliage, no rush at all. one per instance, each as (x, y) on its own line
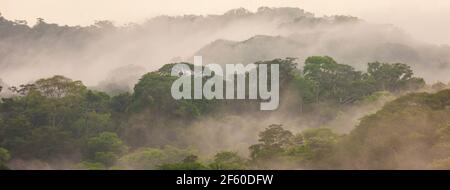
(51, 118)
(376, 96)
(342, 84)
(228, 161)
(413, 128)
(4, 155)
(306, 88)
(58, 86)
(189, 163)
(393, 77)
(153, 93)
(57, 118)
(273, 140)
(317, 149)
(312, 148)
(152, 158)
(287, 68)
(105, 148)
(119, 104)
(333, 81)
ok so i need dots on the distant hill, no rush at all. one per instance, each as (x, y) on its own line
(89, 53)
(260, 47)
(356, 48)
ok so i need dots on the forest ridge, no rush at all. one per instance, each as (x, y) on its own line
(353, 95)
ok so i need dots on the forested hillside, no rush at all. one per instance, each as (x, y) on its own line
(353, 94)
(59, 123)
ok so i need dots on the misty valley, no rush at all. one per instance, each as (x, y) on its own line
(352, 95)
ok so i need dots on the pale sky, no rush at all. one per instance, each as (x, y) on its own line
(426, 20)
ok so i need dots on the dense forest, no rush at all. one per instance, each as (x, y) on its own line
(58, 122)
(353, 95)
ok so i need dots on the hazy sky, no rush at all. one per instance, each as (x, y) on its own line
(426, 20)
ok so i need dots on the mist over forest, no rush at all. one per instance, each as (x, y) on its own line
(353, 95)
(46, 49)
